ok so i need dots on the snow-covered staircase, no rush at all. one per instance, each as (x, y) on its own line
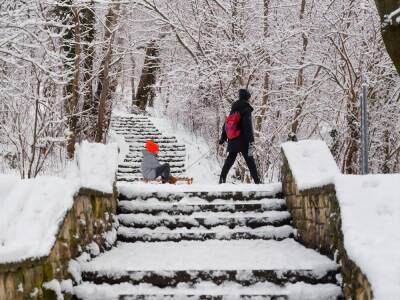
(137, 129)
(181, 242)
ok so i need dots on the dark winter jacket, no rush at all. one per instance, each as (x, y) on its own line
(245, 125)
(149, 165)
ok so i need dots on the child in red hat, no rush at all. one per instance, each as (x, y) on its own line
(151, 167)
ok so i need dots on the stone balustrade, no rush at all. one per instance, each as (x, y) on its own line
(316, 216)
(88, 221)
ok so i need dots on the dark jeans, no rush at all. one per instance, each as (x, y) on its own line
(251, 164)
(164, 171)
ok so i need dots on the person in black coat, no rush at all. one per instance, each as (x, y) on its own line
(244, 143)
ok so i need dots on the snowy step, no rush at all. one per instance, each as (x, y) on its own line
(192, 205)
(136, 126)
(137, 164)
(138, 160)
(135, 169)
(134, 133)
(209, 291)
(141, 139)
(207, 220)
(163, 147)
(204, 296)
(244, 261)
(127, 234)
(131, 192)
(160, 156)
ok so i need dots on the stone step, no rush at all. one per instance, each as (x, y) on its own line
(137, 176)
(141, 142)
(132, 133)
(210, 291)
(191, 206)
(132, 235)
(137, 164)
(206, 220)
(160, 156)
(171, 161)
(244, 277)
(168, 196)
(159, 139)
(162, 147)
(142, 125)
(136, 169)
(203, 297)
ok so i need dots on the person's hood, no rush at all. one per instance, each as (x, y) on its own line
(242, 106)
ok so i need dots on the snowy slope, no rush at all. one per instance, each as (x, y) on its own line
(370, 208)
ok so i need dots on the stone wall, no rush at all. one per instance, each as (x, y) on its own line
(87, 221)
(316, 216)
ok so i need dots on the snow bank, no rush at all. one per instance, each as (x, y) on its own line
(30, 215)
(370, 208)
(31, 211)
(311, 162)
(201, 164)
(97, 165)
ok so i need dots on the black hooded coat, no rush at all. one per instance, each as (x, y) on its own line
(245, 125)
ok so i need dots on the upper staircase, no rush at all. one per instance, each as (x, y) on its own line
(136, 130)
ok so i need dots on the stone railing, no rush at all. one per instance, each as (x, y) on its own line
(316, 216)
(86, 222)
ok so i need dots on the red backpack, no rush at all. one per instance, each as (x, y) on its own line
(231, 125)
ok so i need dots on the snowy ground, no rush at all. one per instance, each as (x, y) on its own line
(370, 208)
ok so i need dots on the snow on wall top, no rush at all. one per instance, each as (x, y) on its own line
(370, 208)
(30, 215)
(97, 165)
(311, 162)
(31, 211)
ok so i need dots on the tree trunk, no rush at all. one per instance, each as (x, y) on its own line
(72, 43)
(266, 83)
(88, 23)
(300, 77)
(390, 28)
(145, 94)
(103, 90)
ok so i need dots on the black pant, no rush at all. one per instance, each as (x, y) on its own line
(251, 164)
(164, 171)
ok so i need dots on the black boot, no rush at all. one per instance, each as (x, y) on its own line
(222, 180)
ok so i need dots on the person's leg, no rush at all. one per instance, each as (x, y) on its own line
(164, 171)
(251, 164)
(227, 166)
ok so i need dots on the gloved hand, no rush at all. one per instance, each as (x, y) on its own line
(251, 150)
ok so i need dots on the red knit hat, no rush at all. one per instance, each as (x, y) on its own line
(152, 147)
